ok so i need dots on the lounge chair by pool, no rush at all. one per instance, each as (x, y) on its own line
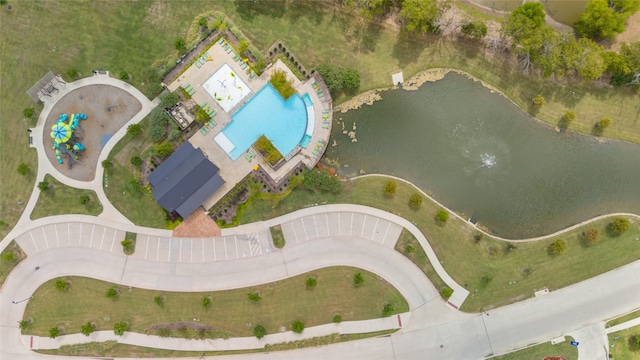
(248, 157)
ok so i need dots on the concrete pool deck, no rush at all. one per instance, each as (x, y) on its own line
(234, 171)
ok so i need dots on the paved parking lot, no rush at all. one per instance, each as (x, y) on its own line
(71, 234)
(188, 250)
(341, 224)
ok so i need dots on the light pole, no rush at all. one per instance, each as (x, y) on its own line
(19, 301)
(484, 312)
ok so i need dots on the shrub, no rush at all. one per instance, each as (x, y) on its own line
(446, 292)
(635, 341)
(592, 235)
(358, 279)
(158, 127)
(415, 200)
(604, 123)
(475, 29)
(390, 188)
(351, 80)
(282, 84)
(242, 46)
(311, 283)
(134, 129)
(320, 181)
(168, 99)
(179, 44)
(539, 101)
(409, 249)
(112, 293)
(569, 116)
(136, 161)
(73, 73)
(511, 246)
(28, 112)
(206, 302)
(559, 246)
(84, 199)
(254, 296)
(124, 76)
(61, 285)
(87, 329)
(107, 164)
(297, 327)
(9, 256)
(259, 331)
(158, 300)
(619, 226)
(120, 327)
(163, 149)
(337, 319)
(23, 324)
(202, 21)
(265, 147)
(24, 169)
(43, 185)
(54, 332)
(387, 309)
(442, 216)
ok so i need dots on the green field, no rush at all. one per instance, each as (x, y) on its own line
(61, 199)
(623, 348)
(131, 36)
(230, 312)
(540, 351)
(501, 276)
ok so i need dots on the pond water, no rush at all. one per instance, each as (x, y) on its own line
(564, 11)
(483, 157)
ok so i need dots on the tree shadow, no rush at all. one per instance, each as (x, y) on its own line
(563, 124)
(596, 130)
(249, 9)
(369, 37)
(310, 9)
(407, 49)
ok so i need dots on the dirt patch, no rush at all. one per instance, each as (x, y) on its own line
(197, 225)
(631, 34)
(107, 107)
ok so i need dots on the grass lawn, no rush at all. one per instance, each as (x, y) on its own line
(540, 351)
(91, 37)
(623, 348)
(113, 349)
(625, 318)
(61, 199)
(277, 236)
(6, 266)
(230, 312)
(138, 207)
(501, 276)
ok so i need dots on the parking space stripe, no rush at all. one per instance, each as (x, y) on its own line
(294, 232)
(305, 230)
(326, 216)
(93, 229)
(80, 235)
(226, 256)
(68, 233)
(34, 241)
(104, 232)
(363, 223)
(375, 228)
(55, 227)
(113, 240)
(213, 241)
(235, 239)
(385, 234)
(339, 217)
(351, 228)
(315, 222)
(44, 235)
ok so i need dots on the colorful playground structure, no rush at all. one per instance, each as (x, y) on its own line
(64, 141)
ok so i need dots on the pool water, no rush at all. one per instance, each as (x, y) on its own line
(267, 113)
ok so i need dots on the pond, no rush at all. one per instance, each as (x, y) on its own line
(483, 157)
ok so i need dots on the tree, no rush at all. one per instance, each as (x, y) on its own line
(254, 296)
(85, 199)
(532, 10)
(619, 226)
(333, 77)
(73, 73)
(476, 29)
(390, 188)
(311, 282)
(351, 79)
(337, 319)
(168, 99)
(358, 279)
(420, 16)
(23, 324)
(297, 327)
(29, 112)
(202, 21)
(558, 246)
(43, 185)
(61, 285)
(591, 63)
(112, 293)
(158, 127)
(179, 44)
(163, 149)
(259, 331)
(442, 216)
(158, 300)
(569, 116)
(539, 101)
(446, 292)
(206, 302)
(119, 328)
(24, 169)
(243, 45)
(599, 21)
(415, 200)
(201, 115)
(134, 129)
(136, 161)
(604, 123)
(87, 329)
(592, 235)
(387, 310)
(54, 332)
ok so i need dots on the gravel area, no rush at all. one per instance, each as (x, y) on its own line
(107, 107)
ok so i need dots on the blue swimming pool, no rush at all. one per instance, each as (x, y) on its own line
(267, 113)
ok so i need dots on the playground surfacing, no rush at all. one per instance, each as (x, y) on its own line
(107, 107)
